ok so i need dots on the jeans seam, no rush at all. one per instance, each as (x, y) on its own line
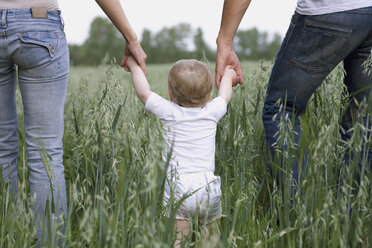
(310, 69)
(331, 28)
(25, 28)
(294, 24)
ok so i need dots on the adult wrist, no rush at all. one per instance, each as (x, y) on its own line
(131, 39)
(222, 40)
(221, 43)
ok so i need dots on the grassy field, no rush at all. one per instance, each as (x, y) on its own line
(115, 177)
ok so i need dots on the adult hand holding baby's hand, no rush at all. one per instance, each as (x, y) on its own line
(133, 49)
(131, 62)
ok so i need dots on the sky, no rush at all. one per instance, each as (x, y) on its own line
(266, 15)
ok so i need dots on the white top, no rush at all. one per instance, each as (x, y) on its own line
(319, 7)
(19, 4)
(190, 132)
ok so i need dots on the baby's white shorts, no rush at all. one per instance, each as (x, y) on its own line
(202, 192)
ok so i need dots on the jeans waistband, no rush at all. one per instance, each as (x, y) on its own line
(18, 16)
(365, 10)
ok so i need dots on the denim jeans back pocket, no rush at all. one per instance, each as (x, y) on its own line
(38, 53)
(47, 41)
(321, 46)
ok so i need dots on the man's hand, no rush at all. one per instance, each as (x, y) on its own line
(226, 56)
(135, 50)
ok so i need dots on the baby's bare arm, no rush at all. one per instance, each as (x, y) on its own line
(140, 84)
(225, 89)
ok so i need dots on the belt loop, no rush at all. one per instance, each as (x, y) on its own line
(3, 18)
(62, 22)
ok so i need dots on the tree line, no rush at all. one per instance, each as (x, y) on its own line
(168, 45)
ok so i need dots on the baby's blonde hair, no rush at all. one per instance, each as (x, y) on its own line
(190, 83)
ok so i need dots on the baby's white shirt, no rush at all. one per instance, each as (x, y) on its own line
(188, 132)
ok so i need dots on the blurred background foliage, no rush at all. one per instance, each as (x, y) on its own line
(168, 45)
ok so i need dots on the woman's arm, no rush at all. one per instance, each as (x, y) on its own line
(115, 12)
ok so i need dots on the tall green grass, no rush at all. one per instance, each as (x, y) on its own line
(115, 176)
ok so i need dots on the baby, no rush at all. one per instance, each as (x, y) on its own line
(189, 128)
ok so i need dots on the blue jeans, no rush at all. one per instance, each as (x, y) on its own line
(35, 51)
(312, 47)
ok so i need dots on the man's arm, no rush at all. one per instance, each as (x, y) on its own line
(115, 12)
(140, 84)
(233, 12)
(226, 85)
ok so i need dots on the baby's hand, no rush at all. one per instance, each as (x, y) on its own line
(229, 72)
(131, 62)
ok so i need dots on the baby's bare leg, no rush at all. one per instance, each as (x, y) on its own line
(183, 229)
(211, 234)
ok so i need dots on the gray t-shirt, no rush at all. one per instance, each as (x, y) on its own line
(319, 7)
(15, 4)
